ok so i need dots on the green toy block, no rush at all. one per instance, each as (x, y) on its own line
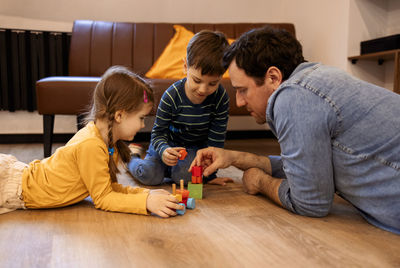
(195, 190)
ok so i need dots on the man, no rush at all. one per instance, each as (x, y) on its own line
(336, 133)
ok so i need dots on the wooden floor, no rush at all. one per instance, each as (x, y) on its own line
(228, 228)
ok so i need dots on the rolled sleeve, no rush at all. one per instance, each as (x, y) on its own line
(303, 130)
(277, 167)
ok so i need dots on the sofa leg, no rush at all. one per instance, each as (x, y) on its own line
(48, 125)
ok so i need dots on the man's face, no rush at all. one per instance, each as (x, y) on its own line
(249, 94)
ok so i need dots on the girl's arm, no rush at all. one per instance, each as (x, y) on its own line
(127, 189)
(92, 160)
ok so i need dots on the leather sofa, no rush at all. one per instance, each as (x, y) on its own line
(97, 45)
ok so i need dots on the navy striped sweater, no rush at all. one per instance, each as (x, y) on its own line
(183, 123)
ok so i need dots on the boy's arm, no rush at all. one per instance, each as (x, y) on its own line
(159, 133)
(218, 125)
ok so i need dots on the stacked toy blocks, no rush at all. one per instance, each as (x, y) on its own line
(196, 186)
(182, 196)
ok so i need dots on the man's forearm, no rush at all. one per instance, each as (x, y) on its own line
(270, 188)
(256, 181)
(244, 161)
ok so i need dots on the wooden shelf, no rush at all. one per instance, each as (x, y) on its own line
(380, 57)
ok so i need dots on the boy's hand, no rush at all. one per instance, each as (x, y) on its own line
(161, 203)
(220, 181)
(170, 155)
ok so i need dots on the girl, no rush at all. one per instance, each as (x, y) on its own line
(87, 164)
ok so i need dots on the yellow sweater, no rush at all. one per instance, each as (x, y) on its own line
(75, 171)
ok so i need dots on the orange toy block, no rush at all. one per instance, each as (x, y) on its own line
(196, 179)
(183, 154)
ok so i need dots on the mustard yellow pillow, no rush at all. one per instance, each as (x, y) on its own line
(170, 62)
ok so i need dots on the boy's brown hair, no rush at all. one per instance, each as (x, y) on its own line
(205, 51)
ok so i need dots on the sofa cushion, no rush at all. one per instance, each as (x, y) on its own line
(170, 63)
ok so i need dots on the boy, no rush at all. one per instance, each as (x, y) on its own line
(192, 114)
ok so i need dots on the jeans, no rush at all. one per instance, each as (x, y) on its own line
(152, 171)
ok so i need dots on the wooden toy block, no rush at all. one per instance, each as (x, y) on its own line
(181, 211)
(191, 203)
(197, 171)
(175, 194)
(197, 179)
(178, 197)
(183, 154)
(183, 192)
(195, 190)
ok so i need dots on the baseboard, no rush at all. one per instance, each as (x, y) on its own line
(32, 138)
(141, 136)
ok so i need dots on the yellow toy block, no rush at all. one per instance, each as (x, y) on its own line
(174, 194)
(178, 197)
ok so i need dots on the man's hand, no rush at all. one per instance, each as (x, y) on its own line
(171, 155)
(211, 159)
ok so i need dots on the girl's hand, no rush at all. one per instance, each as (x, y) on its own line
(161, 203)
(159, 191)
(170, 155)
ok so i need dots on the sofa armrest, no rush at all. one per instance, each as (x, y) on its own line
(64, 94)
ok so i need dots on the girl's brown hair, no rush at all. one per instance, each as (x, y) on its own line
(118, 89)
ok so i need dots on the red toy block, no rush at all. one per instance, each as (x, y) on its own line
(185, 195)
(197, 171)
(183, 154)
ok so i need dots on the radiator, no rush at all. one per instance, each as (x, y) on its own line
(25, 57)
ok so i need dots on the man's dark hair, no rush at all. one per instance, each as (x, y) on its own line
(258, 49)
(205, 51)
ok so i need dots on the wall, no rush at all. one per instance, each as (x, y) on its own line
(393, 22)
(369, 20)
(322, 27)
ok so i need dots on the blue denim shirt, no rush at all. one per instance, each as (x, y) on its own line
(337, 134)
